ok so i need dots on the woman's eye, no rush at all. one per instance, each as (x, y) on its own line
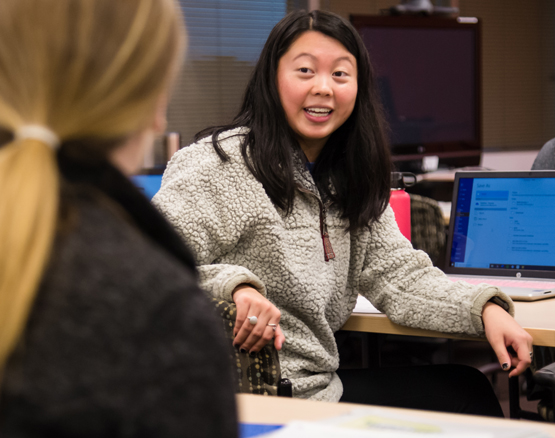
(340, 74)
(304, 70)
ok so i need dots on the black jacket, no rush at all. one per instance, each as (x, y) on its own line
(121, 341)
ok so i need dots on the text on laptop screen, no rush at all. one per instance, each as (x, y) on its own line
(504, 223)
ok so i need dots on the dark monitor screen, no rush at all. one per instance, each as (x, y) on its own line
(428, 74)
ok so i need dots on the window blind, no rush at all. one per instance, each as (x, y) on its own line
(225, 40)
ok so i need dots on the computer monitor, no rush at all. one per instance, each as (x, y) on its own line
(428, 73)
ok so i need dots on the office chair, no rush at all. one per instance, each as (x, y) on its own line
(545, 386)
(545, 160)
(427, 227)
(256, 374)
(540, 386)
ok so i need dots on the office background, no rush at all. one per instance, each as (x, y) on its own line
(518, 62)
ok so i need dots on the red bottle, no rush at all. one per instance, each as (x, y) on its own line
(400, 201)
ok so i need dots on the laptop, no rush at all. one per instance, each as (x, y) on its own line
(502, 232)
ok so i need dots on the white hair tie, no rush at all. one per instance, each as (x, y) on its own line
(38, 132)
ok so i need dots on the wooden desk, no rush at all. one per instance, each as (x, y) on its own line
(258, 409)
(537, 318)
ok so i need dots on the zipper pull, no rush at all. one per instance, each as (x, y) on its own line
(328, 250)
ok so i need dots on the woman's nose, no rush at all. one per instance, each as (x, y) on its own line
(322, 86)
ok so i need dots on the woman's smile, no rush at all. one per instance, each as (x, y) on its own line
(318, 115)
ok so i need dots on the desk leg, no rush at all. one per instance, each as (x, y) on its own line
(514, 396)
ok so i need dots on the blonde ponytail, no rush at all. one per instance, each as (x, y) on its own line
(28, 213)
(94, 70)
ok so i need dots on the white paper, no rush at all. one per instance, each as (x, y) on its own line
(379, 423)
(364, 306)
(371, 419)
(302, 429)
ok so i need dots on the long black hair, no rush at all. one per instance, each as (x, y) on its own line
(355, 159)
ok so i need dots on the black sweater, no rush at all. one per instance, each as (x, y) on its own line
(120, 342)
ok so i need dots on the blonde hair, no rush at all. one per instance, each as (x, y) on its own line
(86, 69)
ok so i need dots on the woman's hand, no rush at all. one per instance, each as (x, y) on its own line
(503, 331)
(248, 337)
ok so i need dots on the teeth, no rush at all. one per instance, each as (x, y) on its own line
(318, 112)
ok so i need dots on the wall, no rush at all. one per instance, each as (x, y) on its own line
(518, 64)
(518, 71)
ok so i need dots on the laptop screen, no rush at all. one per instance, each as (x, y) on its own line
(503, 223)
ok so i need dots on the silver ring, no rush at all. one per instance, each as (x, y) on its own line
(531, 355)
(253, 320)
(274, 326)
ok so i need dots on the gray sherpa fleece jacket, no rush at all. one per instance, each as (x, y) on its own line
(239, 236)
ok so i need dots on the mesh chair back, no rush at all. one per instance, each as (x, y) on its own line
(427, 227)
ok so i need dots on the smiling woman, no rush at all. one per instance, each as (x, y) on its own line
(287, 211)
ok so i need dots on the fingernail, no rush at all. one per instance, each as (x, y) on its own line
(505, 366)
(242, 350)
(252, 354)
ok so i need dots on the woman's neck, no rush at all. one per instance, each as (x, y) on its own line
(312, 149)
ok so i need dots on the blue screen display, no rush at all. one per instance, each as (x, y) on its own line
(148, 184)
(504, 223)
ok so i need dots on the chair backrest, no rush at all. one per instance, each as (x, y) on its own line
(256, 374)
(428, 231)
(546, 157)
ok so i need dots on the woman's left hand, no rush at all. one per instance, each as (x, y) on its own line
(503, 331)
